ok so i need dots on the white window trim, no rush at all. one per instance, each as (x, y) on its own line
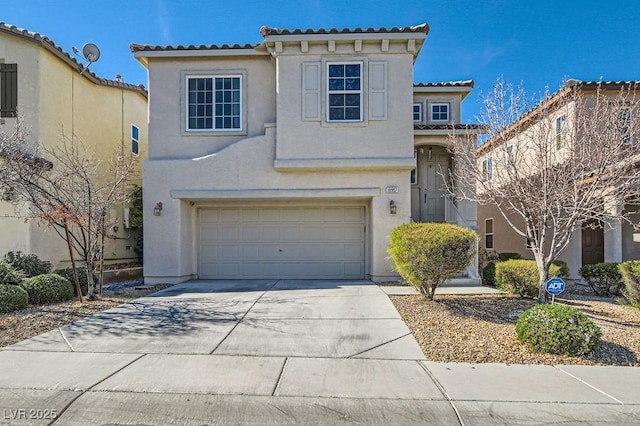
(419, 105)
(330, 92)
(134, 139)
(492, 233)
(447, 104)
(487, 169)
(213, 129)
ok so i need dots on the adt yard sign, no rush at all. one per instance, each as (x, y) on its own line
(555, 286)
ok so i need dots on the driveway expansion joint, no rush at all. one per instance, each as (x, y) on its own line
(443, 391)
(284, 365)
(588, 384)
(377, 346)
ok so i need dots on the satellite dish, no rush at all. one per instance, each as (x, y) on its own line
(91, 52)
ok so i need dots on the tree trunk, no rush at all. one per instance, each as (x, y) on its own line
(544, 277)
(73, 264)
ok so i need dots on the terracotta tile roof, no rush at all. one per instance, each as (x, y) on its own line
(150, 48)
(267, 31)
(461, 83)
(50, 45)
(602, 84)
(456, 126)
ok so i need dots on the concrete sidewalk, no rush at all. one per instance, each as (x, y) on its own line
(283, 352)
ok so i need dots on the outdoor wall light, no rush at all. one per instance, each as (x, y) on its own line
(392, 207)
(157, 210)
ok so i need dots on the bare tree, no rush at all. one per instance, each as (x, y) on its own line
(70, 189)
(570, 161)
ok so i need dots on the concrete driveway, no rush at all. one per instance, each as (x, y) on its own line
(280, 352)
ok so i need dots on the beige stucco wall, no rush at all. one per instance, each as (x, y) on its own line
(54, 98)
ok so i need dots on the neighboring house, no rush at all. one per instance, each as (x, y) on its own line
(42, 84)
(292, 158)
(555, 119)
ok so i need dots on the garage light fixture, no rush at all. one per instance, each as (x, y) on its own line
(392, 207)
(157, 210)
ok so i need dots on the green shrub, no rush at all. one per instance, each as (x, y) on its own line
(29, 263)
(519, 276)
(10, 275)
(558, 329)
(630, 272)
(603, 278)
(82, 277)
(508, 256)
(12, 298)
(47, 288)
(558, 269)
(426, 254)
(489, 274)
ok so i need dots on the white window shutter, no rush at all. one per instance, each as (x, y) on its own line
(311, 91)
(377, 90)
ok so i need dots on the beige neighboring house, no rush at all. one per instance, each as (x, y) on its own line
(588, 245)
(42, 84)
(292, 158)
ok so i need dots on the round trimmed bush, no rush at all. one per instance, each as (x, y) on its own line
(558, 329)
(82, 277)
(489, 274)
(518, 276)
(10, 275)
(603, 278)
(427, 254)
(47, 288)
(12, 298)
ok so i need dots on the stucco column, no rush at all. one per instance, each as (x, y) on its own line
(613, 233)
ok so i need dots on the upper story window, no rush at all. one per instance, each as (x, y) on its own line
(624, 124)
(135, 139)
(561, 129)
(417, 113)
(214, 103)
(440, 112)
(8, 90)
(344, 91)
(487, 168)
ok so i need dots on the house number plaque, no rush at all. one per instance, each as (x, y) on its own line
(392, 189)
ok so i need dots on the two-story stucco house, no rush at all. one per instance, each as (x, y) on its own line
(42, 85)
(292, 158)
(555, 120)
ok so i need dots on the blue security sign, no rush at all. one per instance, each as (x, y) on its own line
(555, 286)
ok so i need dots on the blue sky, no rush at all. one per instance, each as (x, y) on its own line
(538, 43)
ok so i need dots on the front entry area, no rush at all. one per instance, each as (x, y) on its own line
(313, 242)
(592, 245)
(428, 193)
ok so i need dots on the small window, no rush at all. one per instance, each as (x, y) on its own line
(488, 233)
(344, 91)
(487, 168)
(417, 113)
(624, 124)
(439, 112)
(8, 90)
(214, 103)
(135, 139)
(561, 127)
(414, 171)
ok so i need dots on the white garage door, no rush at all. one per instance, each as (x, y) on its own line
(281, 242)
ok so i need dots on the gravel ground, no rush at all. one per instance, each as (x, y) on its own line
(30, 322)
(481, 329)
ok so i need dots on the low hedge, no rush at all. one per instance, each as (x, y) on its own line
(630, 272)
(518, 276)
(603, 278)
(12, 298)
(82, 277)
(558, 329)
(427, 254)
(10, 275)
(489, 271)
(47, 288)
(521, 277)
(30, 264)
